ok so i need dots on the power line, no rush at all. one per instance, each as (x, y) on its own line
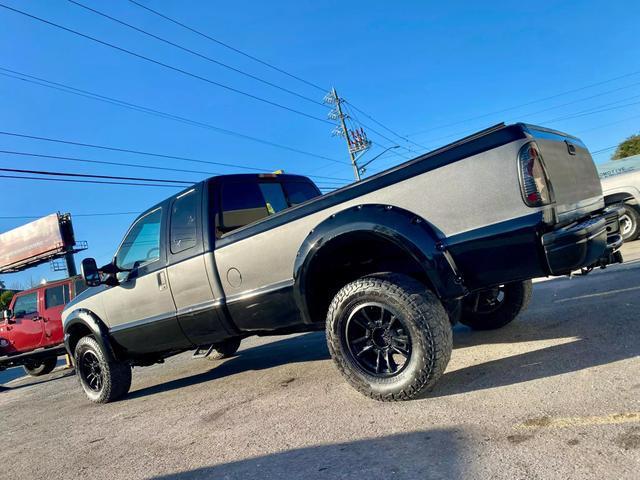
(88, 175)
(567, 92)
(209, 37)
(104, 162)
(28, 217)
(402, 137)
(594, 110)
(150, 154)
(582, 113)
(165, 65)
(606, 92)
(150, 111)
(609, 124)
(99, 182)
(602, 150)
(120, 164)
(193, 52)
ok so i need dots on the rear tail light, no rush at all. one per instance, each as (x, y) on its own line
(534, 182)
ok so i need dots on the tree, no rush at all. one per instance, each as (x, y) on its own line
(5, 299)
(631, 146)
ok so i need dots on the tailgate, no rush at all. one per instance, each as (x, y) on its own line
(573, 175)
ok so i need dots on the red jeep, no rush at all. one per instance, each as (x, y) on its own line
(31, 330)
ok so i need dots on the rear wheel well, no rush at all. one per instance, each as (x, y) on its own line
(352, 256)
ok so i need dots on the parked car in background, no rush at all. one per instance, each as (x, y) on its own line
(621, 185)
(31, 331)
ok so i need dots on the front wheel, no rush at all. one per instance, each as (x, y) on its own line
(629, 223)
(389, 336)
(102, 380)
(41, 367)
(496, 307)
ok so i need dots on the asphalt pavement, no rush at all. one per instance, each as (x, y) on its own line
(556, 394)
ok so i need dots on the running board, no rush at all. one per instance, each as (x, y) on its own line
(198, 353)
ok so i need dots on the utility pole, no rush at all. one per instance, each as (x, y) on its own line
(357, 141)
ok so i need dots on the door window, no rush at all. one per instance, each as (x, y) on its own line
(26, 304)
(141, 246)
(183, 222)
(56, 296)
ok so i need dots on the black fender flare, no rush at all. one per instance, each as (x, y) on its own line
(421, 240)
(88, 319)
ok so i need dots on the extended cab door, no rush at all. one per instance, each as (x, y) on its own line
(24, 331)
(140, 311)
(191, 270)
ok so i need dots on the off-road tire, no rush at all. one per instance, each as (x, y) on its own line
(633, 217)
(426, 322)
(42, 367)
(516, 299)
(225, 349)
(116, 375)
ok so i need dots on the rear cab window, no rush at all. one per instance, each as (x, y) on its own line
(247, 201)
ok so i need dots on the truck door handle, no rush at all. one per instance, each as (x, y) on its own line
(162, 280)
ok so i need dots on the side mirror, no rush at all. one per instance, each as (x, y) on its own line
(7, 316)
(90, 272)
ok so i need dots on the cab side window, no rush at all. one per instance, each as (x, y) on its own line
(56, 296)
(26, 304)
(183, 222)
(141, 246)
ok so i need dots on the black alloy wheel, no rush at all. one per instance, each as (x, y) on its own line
(496, 307)
(378, 339)
(91, 371)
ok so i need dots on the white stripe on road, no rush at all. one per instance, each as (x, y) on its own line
(600, 294)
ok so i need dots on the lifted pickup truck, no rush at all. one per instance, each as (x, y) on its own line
(385, 265)
(31, 332)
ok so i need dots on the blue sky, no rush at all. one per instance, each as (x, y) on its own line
(431, 67)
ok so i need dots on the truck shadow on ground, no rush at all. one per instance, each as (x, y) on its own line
(585, 333)
(427, 454)
(309, 347)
